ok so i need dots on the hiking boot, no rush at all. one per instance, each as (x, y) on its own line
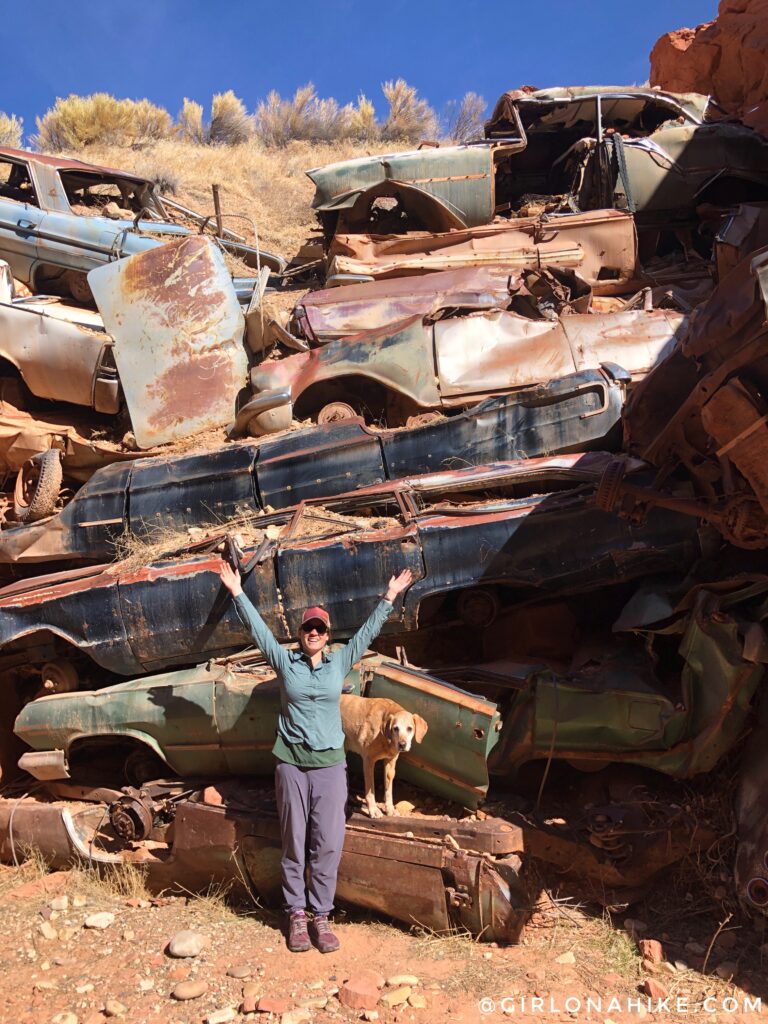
(298, 936)
(325, 940)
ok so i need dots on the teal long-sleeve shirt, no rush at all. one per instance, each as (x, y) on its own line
(310, 716)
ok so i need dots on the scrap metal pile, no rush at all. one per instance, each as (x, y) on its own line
(532, 369)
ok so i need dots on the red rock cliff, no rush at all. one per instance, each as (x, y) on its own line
(727, 58)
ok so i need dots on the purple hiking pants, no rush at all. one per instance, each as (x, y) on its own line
(311, 802)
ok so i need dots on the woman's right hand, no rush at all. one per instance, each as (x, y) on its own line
(231, 579)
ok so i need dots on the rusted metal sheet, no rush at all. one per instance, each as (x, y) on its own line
(600, 245)
(237, 843)
(178, 333)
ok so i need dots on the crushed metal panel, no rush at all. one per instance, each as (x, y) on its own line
(452, 759)
(178, 331)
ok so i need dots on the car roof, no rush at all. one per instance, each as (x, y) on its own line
(691, 103)
(62, 163)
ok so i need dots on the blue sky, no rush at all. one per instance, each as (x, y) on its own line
(169, 49)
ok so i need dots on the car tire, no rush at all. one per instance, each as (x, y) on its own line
(37, 487)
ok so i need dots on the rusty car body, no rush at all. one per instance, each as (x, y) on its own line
(656, 154)
(451, 361)
(61, 218)
(700, 417)
(446, 528)
(580, 412)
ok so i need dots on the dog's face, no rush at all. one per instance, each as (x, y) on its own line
(402, 728)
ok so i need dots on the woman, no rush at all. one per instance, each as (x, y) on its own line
(311, 772)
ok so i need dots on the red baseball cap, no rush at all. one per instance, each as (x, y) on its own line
(316, 613)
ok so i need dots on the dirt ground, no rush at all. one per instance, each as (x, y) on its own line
(60, 971)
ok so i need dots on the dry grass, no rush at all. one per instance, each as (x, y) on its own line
(231, 124)
(80, 121)
(32, 865)
(11, 130)
(112, 882)
(268, 186)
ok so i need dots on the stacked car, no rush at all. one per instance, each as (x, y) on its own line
(530, 369)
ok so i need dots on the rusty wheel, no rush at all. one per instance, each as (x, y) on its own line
(744, 523)
(144, 765)
(336, 411)
(478, 607)
(59, 677)
(37, 487)
(609, 488)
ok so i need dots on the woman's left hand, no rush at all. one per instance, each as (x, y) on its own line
(398, 584)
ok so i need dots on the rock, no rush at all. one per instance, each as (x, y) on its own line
(100, 921)
(396, 997)
(417, 1001)
(114, 1008)
(724, 58)
(315, 985)
(696, 948)
(178, 974)
(611, 979)
(725, 940)
(47, 930)
(252, 989)
(186, 943)
(240, 972)
(654, 989)
(651, 949)
(85, 987)
(298, 1016)
(402, 979)
(146, 984)
(59, 903)
(46, 886)
(313, 1002)
(66, 933)
(78, 900)
(221, 1016)
(45, 986)
(726, 970)
(189, 990)
(565, 958)
(370, 1014)
(360, 992)
(273, 1004)
(404, 808)
(64, 1018)
(249, 1004)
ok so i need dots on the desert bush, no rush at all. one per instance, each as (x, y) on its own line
(363, 124)
(189, 123)
(410, 119)
(80, 121)
(11, 130)
(463, 121)
(231, 123)
(306, 118)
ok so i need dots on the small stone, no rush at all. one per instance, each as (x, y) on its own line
(404, 808)
(178, 974)
(129, 935)
(273, 1004)
(114, 1008)
(665, 967)
(66, 933)
(221, 1016)
(47, 930)
(251, 990)
(681, 965)
(189, 990)
(565, 958)
(240, 972)
(314, 1002)
(651, 949)
(696, 948)
(726, 970)
(298, 1016)
(654, 989)
(487, 956)
(186, 943)
(417, 1001)
(397, 980)
(315, 985)
(370, 1014)
(100, 921)
(361, 991)
(146, 984)
(45, 986)
(79, 900)
(396, 997)
(82, 989)
(249, 1004)
(59, 903)
(64, 1018)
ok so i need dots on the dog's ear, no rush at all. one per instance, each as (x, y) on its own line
(389, 726)
(419, 728)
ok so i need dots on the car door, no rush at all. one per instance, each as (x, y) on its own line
(247, 703)
(20, 217)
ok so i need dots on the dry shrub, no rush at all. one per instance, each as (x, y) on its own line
(464, 120)
(410, 119)
(231, 124)
(11, 130)
(306, 118)
(363, 125)
(79, 121)
(189, 123)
